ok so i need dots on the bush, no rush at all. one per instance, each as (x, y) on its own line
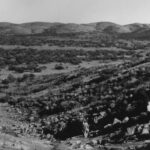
(59, 66)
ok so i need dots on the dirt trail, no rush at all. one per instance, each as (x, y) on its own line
(8, 141)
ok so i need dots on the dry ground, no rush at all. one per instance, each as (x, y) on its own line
(8, 141)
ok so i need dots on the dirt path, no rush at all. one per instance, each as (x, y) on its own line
(8, 141)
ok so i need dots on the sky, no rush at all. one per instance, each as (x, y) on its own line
(75, 11)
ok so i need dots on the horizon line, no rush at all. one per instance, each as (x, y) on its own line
(71, 22)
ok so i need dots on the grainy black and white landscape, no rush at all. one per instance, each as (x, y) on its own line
(54, 76)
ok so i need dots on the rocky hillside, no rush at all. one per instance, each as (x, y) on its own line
(61, 82)
(112, 98)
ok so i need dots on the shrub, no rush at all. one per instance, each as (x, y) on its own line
(59, 66)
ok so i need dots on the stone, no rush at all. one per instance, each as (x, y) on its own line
(103, 114)
(76, 145)
(131, 130)
(145, 130)
(78, 142)
(139, 147)
(107, 126)
(125, 120)
(148, 107)
(88, 147)
(139, 129)
(94, 142)
(116, 121)
(131, 147)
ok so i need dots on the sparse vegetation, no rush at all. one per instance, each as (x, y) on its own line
(111, 95)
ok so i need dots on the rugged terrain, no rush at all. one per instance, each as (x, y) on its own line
(55, 76)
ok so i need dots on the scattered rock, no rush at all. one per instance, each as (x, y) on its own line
(88, 147)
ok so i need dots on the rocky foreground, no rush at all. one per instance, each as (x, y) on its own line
(112, 99)
(10, 133)
(108, 103)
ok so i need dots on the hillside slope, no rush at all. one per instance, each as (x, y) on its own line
(42, 27)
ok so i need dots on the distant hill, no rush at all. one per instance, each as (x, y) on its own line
(137, 26)
(136, 30)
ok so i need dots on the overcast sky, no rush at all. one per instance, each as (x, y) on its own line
(77, 11)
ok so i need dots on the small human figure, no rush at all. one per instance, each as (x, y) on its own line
(85, 128)
(148, 107)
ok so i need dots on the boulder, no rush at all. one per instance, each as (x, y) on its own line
(145, 129)
(94, 142)
(76, 145)
(145, 132)
(125, 120)
(116, 121)
(131, 130)
(88, 147)
(148, 107)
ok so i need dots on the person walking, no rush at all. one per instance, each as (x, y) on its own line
(85, 128)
